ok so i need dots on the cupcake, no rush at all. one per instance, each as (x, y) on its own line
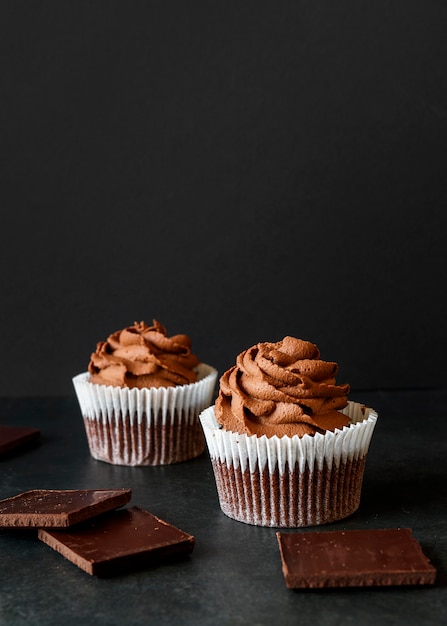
(142, 395)
(287, 447)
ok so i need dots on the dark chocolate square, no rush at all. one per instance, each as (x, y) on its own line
(354, 558)
(119, 541)
(13, 438)
(52, 508)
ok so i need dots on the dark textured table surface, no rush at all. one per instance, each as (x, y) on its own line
(234, 573)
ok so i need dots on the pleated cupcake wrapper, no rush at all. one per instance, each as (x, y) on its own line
(154, 426)
(290, 481)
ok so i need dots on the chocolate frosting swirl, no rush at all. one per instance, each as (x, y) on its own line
(143, 356)
(281, 388)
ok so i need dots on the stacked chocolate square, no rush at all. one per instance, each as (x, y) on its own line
(89, 528)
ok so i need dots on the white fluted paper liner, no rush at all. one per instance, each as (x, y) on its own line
(152, 426)
(314, 479)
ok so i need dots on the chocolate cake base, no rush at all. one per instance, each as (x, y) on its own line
(291, 499)
(121, 440)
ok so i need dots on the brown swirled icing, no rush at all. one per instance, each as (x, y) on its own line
(281, 388)
(143, 356)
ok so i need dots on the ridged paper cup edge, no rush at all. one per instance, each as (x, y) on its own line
(104, 401)
(254, 452)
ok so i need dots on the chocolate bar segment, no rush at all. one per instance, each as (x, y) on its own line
(13, 438)
(55, 508)
(355, 558)
(120, 541)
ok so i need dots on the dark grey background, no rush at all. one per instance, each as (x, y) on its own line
(238, 171)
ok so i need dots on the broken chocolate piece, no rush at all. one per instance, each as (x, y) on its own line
(354, 558)
(15, 437)
(55, 508)
(119, 541)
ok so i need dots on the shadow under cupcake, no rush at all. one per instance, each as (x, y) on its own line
(287, 447)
